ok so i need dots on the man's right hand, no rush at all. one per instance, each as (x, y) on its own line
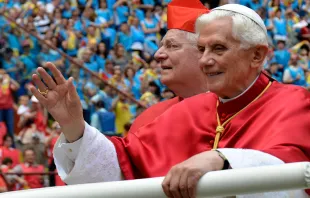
(61, 101)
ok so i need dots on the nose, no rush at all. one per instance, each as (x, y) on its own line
(160, 55)
(206, 61)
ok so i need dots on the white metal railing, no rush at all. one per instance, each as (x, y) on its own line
(213, 184)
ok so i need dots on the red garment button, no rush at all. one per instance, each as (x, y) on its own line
(211, 142)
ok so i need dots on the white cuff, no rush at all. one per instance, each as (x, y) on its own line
(69, 149)
(93, 159)
(245, 158)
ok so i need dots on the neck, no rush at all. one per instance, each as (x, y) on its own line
(241, 90)
(189, 91)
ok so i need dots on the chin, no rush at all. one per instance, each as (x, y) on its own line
(165, 81)
(215, 89)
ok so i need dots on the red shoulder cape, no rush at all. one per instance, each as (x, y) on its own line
(277, 123)
(153, 112)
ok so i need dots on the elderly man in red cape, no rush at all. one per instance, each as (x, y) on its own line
(178, 56)
(247, 118)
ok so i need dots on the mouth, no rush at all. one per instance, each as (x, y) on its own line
(165, 67)
(213, 73)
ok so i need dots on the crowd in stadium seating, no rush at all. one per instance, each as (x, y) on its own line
(115, 39)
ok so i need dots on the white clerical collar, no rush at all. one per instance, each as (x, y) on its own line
(230, 99)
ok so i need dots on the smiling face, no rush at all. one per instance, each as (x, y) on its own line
(228, 68)
(29, 156)
(102, 47)
(178, 59)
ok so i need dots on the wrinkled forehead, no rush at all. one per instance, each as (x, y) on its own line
(219, 30)
(174, 35)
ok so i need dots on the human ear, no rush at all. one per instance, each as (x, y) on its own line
(259, 55)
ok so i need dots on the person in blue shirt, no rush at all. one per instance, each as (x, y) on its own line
(44, 56)
(13, 39)
(296, 4)
(150, 27)
(9, 64)
(133, 84)
(294, 74)
(244, 2)
(268, 23)
(29, 61)
(91, 65)
(274, 72)
(77, 22)
(105, 21)
(79, 85)
(6, 4)
(273, 6)
(139, 14)
(82, 3)
(35, 47)
(67, 10)
(104, 12)
(136, 31)
(124, 36)
(121, 12)
(86, 20)
(110, 4)
(108, 70)
(255, 4)
(101, 56)
(148, 2)
(93, 3)
(104, 94)
(4, 24)
(282, 55)
(49, 55)
(103, 120)
(279, 22)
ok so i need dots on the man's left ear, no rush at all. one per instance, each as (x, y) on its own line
(260, 53)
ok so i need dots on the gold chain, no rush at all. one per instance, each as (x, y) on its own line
(220, 127)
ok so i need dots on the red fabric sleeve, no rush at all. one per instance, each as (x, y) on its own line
(291, 124)
(2, 182)
(123, 158)
(151, 113)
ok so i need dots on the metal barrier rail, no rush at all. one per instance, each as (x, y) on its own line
(31, 173)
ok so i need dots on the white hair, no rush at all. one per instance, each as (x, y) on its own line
(248, 32)
(192, 37)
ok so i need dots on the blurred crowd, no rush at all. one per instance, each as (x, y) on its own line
(115, 39)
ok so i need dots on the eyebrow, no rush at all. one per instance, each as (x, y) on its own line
(167, 40)
(212, 42)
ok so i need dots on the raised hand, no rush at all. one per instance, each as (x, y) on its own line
(60, 98)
